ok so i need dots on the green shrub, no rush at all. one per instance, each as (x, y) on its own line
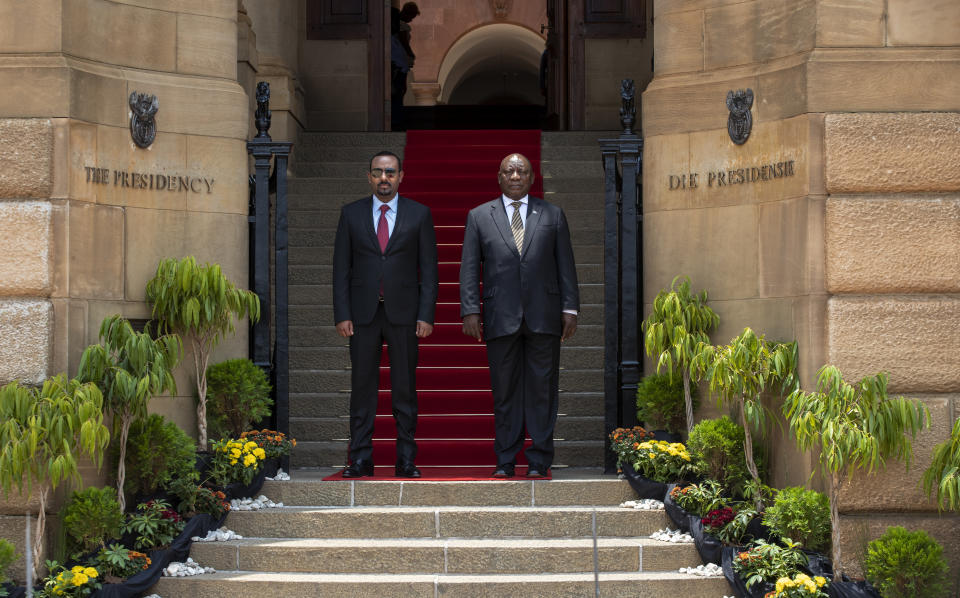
(902, 564)
(801, 515)
(155, 525)
(92, 517)
(239, 394)
(660, 403)
(8, 554)
(158, 451)
(716, 447)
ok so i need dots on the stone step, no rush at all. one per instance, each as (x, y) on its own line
(337, 358)
(588, 233)
(565, 167)
(236, 584)
(336, 140)
(338, 380)
(568, 488)
(318, 274)
(447, 522)
(578, 153)
(567, 427)
(310, 151)
(444, 555)
(587, 335)
(575, 138)
(584, 254)
(311, 200)
(318, 294)
(305, 315)
(304, 185)
(333, 453)
(336, 404)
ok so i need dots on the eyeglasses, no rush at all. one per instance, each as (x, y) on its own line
(379, 172)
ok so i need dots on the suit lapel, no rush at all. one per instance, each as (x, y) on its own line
(499, 214)
(534, 210)
(367, 214)
(398, 224)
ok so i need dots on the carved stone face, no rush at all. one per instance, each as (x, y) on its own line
(516, 176)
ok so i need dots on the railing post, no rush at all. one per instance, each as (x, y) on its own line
(623, 267)
(265, 150)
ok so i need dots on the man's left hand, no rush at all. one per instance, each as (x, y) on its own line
(423, 329)
(569, 326)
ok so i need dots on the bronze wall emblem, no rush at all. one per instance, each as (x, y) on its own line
(740, 120)
(501, 8)
(143, 126)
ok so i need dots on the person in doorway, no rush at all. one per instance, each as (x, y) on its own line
(529, 302)
(384, 289)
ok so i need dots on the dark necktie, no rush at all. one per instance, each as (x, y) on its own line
(516, 225)
(383, 229)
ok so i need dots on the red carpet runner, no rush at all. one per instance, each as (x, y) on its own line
(451, 172)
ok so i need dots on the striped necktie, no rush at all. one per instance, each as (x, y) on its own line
(516, 225)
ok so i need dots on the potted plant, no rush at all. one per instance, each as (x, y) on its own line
(238, 395)
(740, 373)
(74, 582)
(199, 304)
(853, 428)
(903, 564)
(130, 368)
(678, 323)
(275, 444)
(155, 525)
(763, 563)
(661, 405)
(235, 466)
(118, 563)
(801, 515)
(158, 453)
(91, 518)
(942, 478)
(43, 432)
(716, 447)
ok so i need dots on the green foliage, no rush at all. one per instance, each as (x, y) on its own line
(199, 304)
(42, 434)
(734, 532)
(77, 581)
(155, 524)
(854, 428)
(763, 562)
(740, 373)
(238, 395)
(158, 452)
(661, 403)
(662, 461)
(679, 322)
(8, 554)
(902, 564)
(116, 560)
(716, 447)
(195, 499)
(942, 478)
(92, 517)
(130, 367)
(624, 443)
(699, 499)
(801, 515)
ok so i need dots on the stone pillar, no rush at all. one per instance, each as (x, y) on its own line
(84, 215)
(854, 254)
(426, 94)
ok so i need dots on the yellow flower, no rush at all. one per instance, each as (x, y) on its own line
(79, 579)
(259, 453)
(235, 453)
(652, 455)
(249, 460)
(77, 569)
(233, 461)
(90, 572)
(782, 583)
(820, 581)
(250, 445)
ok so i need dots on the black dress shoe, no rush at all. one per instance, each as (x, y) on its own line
(535, 470)
(503, 471)
(407, 470)
(358, 469)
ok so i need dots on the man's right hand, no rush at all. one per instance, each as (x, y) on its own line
(345, 328)
(472, 326)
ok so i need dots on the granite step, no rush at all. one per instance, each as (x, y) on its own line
(244, 584)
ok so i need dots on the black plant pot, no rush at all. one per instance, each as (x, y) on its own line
(14, 591)
(668, 436)
(644, 487)
(270, 466)
(237, 490)
(708, 546)
(737, 583)
(203, 463)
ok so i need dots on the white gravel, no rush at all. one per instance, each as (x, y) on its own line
(218, 535)
(708, 570)
(153, 596)
(187, 569)
(280, 477)
(253, 504)
(672, 535)
(646, 504)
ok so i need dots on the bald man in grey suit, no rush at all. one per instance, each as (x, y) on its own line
(521, 247)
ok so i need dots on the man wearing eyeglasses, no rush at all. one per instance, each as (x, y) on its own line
(520, 246)
(384, 289)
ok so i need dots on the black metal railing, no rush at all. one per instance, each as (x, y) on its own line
(622, 271)
(274, 319)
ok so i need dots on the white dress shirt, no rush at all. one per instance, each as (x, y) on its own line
(391, 213)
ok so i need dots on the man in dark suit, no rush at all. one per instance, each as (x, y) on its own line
(384, 289)
(530, 301)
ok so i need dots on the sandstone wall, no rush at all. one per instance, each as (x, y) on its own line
(81, 230)
(856, 256)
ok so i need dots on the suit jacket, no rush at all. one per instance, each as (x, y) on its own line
(407, 270)
(535, 286)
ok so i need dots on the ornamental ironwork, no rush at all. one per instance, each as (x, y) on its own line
(740, 120)
(628, 108)
(143, 125)
(262, 116)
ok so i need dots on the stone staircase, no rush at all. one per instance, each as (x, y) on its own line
(450, 539)
(331, 171)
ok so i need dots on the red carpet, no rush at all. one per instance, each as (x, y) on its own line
(451, 172)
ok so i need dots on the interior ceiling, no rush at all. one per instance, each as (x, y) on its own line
(497, 47)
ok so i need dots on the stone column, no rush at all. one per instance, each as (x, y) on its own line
(426, 93)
